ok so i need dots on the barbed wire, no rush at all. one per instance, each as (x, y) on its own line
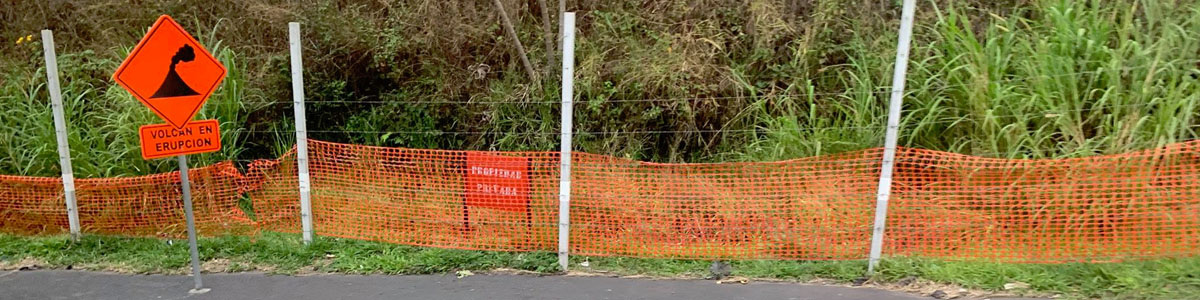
(877, 90)
(586, 101)
(435, 132)
(1044, 114)
(911, 123)
(1093, 72)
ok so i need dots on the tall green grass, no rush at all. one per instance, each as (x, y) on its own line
(102, 118)
(1076, 78)
(1053, 79)
(1036, 79)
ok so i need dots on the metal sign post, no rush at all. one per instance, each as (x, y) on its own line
(151, 75)
(191, 225)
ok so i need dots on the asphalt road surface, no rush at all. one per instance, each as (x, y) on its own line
(93, 285)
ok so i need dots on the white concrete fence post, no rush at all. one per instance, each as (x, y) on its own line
(564, 175)
(60, 131)
(893, 130)
(301, 132)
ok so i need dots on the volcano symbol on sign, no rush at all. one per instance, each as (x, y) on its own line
(170, 72)
(173, 86)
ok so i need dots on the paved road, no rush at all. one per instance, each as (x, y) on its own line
(92, 285)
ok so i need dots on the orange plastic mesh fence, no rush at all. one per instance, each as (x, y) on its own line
(423, 197)
(153, 204)
(1143, 204)
(143, 206)
(812, 208)
(273, 189)
(32, 204)
(1136, 205)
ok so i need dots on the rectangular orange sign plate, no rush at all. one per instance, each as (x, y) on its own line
(164, 140)
(498, 182)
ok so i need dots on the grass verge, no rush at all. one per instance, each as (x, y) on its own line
(284, 254)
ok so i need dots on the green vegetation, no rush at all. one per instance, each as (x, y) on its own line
(760, 80)
(657, 80)
(103, 118)
(1072, 78)
(283, 253)
(1153, 279)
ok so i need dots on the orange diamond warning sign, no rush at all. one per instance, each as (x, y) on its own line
(170, 72)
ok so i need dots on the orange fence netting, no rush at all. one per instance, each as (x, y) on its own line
(418, 197)
(1141, 204)
(146, 205)
(1136, 205)
(812, 208)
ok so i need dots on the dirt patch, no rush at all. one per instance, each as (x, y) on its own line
(219, 265)
(120, 268)
(933, 289)
(317, 267)
(224, 265)
(913, 286)
(23, 264)
(949, 291)
(507, 271)
(604, 273)
(263, 268)
(123, 268)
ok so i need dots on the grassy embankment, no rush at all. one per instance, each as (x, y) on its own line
(656, 80)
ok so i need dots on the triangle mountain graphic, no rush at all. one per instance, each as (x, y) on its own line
(173, 85)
